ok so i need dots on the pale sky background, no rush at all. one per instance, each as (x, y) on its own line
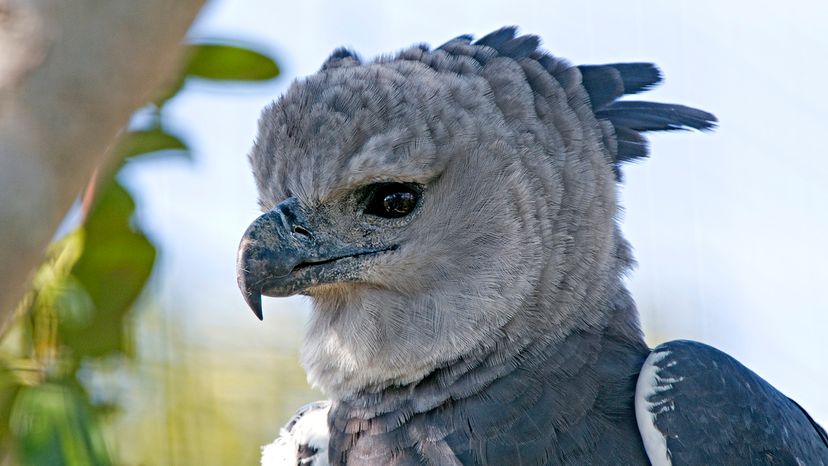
(729, 228)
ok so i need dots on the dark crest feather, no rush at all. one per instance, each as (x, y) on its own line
(604, 85)
(654, 116)
(496, 39)
(341, 57)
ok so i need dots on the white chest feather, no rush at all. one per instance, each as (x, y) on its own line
(303, 441)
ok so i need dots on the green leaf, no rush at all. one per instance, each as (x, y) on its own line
(73, 304)
(113, 269)
(229, 63)
(53, 424)
(149, 141)
(221, 62)
(9, 386)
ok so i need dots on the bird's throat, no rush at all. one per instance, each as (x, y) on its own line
(544, 387)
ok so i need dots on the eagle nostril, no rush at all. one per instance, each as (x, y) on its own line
(300, 230)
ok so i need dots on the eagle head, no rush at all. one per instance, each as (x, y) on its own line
(439, 202)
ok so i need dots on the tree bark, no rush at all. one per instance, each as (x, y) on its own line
(71, 74)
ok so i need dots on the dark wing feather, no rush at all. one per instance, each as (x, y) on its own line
(710, 409)
(820, 431)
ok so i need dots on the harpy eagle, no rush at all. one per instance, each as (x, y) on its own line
(452, 213)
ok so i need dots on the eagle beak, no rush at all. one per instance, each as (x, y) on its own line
(273, 245)
(280, 254)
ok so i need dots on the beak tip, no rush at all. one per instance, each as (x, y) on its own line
(254, 300)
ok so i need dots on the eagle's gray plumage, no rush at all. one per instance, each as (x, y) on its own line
(452, 213)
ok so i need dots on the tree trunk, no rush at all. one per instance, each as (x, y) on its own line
(71, 74)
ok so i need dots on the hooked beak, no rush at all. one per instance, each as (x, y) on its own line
(280, 255)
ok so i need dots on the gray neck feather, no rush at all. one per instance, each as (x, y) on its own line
(549, 387)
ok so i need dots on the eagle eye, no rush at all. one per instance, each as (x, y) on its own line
(391, 200)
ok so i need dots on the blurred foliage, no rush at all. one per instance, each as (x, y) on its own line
(218, 60)
(55, 425)
(226, 62)
(112, 271)
(150, 141)
(77, 317)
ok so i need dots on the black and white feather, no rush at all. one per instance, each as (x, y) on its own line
(304, 439)
(695, 404)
